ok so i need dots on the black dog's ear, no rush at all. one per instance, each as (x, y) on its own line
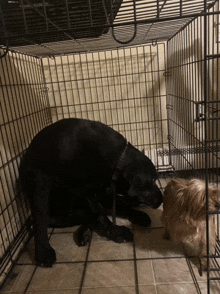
(143, 152)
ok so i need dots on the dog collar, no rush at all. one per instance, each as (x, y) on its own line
(112, 189)
(120, 163)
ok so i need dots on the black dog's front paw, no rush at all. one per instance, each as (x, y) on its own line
(82, 236)
(46, 257)
(120, 234)
(139, 218)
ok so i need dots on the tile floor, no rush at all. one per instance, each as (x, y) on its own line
(149, 265)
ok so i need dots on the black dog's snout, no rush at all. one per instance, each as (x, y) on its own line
(151, 197)
(157, 198)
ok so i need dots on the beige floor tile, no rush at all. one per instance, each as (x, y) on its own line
(180, 288)
(171, 270)
(141, 240)
(66, 248)
(145, 272)
(214, 287)
(28, 254)
(109, 274)
(203, 288)
(109, 290)
(147, 289)
(65, 230)
(19, 278)
(150, 243)
(111, 251)
(160, 247)
(59, 277)
(155, 216)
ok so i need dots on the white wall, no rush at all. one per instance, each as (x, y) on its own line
(123, 88)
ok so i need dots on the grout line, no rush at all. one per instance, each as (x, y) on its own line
(121, 260)
(135, 270)
(138, 259)
(155, 283)
(112, 260)
(85, 267)
(31, 278)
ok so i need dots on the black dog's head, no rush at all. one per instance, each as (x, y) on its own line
(145, 191)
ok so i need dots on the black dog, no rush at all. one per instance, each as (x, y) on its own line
(70, 173)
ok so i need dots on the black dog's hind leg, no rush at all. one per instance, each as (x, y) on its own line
(103, 226)
(127, 211)
(44, 254)
(139, 218)
(83, 235)
(118, 234)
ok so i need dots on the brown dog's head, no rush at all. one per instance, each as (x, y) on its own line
(190, 196)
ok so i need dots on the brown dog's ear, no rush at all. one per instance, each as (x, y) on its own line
(143, 151)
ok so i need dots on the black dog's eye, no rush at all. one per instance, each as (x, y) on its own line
(142, 182)
(144, 187)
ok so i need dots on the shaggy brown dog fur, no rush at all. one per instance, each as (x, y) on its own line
(184, 216)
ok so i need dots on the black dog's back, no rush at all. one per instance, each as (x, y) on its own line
(76, 151)
(82, 154)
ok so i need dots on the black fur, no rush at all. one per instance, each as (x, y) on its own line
(66, 174)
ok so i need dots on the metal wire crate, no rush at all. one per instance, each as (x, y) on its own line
(149, 69)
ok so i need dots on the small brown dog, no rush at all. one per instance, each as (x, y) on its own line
(184, 216)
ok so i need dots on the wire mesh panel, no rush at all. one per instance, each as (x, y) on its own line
(186, 100)
(23, 112)
(124, 89)
(193, 111)
(57, 27)
(212, 128)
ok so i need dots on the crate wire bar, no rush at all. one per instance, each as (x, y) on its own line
(148, 69)
(59, 27)
(198, 103)
(22, 116)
